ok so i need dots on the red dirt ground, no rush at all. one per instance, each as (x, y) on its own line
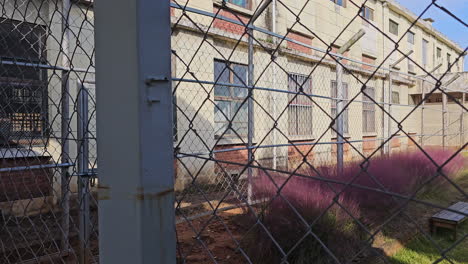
(217, 239)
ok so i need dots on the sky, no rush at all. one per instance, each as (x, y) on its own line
(444, 22)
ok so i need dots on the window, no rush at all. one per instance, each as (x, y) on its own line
(411, 67)
(334, 94)
(439, 53)
(410, 36)
(230, 106)
(339, 2)
(368, 111)
(395, 97)
(300, 108)
(414, 99)
(393, 27)
(23, 89)
(241, 3)
(425, 44)
(449, 61)
(368, 13)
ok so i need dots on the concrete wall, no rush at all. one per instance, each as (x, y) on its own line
(81, 55)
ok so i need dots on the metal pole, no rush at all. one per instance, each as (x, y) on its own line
(444, 119)
(462, 121)
(384, 150)
(83, 177)
(134, 119)
(250, 125)
(389, 120)
(423, 94)
(339, 120)
(340, 96)
(273, 22)
(65, 127)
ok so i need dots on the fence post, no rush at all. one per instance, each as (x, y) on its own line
(250, 125)
(339, 120)
(65, 127)
(389, 120)
(274, 94)
(444, 119)
(462, 121)
(423, 94)
(83, 173)
(134, 119)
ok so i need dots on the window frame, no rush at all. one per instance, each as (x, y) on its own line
(368, 13)
(368, 111)
(395, 97)
(424, 55)
(232, 100)
(337, 2)
(334, 103)
(394, 23)
(248, 3)
(411, 39)
(300, 102)
(449, 59)
(438, 53)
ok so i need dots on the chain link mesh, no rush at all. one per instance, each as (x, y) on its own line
(292, 148)
(47, 142)
(289, 146)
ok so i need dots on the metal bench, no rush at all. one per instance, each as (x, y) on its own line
(449, 219)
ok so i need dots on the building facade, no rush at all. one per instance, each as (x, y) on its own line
(212, 75)
(211, 62)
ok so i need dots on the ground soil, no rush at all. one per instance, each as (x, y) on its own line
(218, 238)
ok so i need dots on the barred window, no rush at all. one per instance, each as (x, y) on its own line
(300, 108)
(368, 111)
(23, 88)
(334, 94)
(229, 100)
(395, 97)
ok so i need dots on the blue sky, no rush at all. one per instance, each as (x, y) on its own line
(443, 22)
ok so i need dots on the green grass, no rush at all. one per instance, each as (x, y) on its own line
(421, 250)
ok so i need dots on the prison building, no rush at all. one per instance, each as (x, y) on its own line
(211, 81)
(211, 61)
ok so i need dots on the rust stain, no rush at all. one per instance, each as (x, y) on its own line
(103, 192)
(100, 186)
(150, 196)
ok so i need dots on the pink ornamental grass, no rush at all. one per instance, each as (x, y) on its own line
(312, 200)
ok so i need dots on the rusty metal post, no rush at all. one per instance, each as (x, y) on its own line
(135, 126)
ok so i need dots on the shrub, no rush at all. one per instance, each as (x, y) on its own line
(400, 173)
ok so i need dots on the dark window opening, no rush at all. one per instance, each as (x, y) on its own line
(23, 88)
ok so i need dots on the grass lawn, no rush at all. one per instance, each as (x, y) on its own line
(420, 249)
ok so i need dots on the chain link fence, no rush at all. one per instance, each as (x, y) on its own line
(47, 132)
(310, 131)
(314, 132)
